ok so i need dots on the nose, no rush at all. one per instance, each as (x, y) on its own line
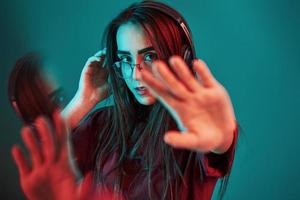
(136, 73)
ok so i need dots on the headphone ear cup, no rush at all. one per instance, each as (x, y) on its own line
(187, 55)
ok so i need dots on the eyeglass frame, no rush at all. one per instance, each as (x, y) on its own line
(132, 66)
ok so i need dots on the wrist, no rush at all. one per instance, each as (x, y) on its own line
(82, 100)
(78, 107)
(227, 141)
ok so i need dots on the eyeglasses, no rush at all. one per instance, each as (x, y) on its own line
(125, 69)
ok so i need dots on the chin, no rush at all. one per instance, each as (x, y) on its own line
(147, 101)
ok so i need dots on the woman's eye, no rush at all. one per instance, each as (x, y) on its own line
(150, 57)
(125, 59)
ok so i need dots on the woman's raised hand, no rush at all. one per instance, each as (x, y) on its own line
(93, 88)
(200, 105)
(93, 85)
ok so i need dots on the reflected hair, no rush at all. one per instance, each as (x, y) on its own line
(28, 89)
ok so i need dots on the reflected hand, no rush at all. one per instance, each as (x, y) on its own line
(49, 174)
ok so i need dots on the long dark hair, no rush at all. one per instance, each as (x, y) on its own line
(167, 38)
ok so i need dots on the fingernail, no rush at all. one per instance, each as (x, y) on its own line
(172, 61)
(166, 138)
(195, 60)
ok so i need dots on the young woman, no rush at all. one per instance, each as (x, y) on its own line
(171, 132)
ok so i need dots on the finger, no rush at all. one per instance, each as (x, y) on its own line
(203, 71)
(96, 62)
(61, 131)
(184, 74)
(158, 90)
(101, 57)
(31, 144)
(156, 87)
(19, 158)
(186, 140)
(164, 74)
(65, 150)
(46, 134)
(101, 53)
(93, 59)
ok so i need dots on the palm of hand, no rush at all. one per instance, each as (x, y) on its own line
(201, 108)
(50, 174)
(54, 181)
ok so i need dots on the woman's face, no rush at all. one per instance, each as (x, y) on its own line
(134, 47)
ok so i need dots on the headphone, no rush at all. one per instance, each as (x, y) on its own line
(188, 51)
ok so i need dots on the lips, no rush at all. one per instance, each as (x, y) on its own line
(141, 90)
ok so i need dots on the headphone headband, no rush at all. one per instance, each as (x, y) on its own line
(175, 16)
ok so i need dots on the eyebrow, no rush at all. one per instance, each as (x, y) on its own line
(141, 51)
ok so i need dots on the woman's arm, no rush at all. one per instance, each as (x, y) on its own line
(76, 110)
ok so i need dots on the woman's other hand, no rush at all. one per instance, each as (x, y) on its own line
(93, 88)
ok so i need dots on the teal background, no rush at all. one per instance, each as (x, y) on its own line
(251, 46)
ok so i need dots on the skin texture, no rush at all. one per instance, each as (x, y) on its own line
(126, 42)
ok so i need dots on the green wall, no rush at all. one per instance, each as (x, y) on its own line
(251, 46)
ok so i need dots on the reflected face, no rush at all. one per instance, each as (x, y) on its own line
(29, 101)
(135, 48)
